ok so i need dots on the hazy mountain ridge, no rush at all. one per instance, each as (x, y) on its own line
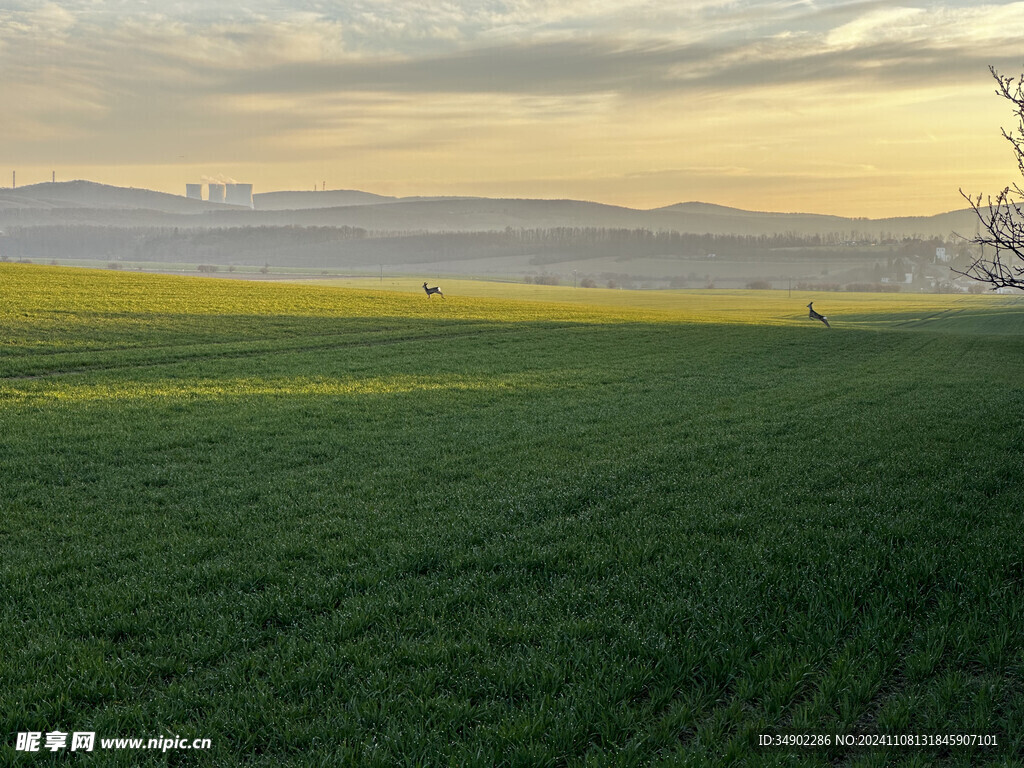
(292, 200)
(301, 200)
(89, 202)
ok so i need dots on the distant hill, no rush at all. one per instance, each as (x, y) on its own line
(336, 198)
(449, 215)
(720, 219)
(332, 198)
(89, 194)
(87, 202)
(695, 206)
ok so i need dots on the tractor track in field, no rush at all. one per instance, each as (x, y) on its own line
(36, 354)
(941, 314)
(201, 352)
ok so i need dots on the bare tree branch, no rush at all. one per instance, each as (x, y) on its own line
(1000, 238)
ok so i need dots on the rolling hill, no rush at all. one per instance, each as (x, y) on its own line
(100, 204)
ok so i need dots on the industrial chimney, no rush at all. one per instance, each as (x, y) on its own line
(216, 193)
(194, 191)
(238, 194)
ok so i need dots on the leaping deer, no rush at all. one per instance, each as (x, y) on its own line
(433, 290)
(815, 316)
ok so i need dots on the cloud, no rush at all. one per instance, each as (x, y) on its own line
(883, 24)
(610, 66)
(497, 46)
(950, 27)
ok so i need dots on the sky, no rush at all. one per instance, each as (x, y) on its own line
(848, 107)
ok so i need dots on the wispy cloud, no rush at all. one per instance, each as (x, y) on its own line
(522, 47)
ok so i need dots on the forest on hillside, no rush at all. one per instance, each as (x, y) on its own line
(320, 246)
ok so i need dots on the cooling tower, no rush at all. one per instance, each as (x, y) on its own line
(216, 193)
(194, 191)
(238, 194)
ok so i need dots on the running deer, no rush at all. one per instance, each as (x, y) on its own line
(815, 316)
(430, 291)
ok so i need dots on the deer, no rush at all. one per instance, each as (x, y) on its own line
(815, 316)
(433, 290)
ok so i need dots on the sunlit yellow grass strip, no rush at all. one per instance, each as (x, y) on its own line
(215, 388)
(52, 306)
(775, 307)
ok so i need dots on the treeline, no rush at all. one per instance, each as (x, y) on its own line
(556, 242)
(684, 243)
(165, 243)
(651, 242)
(322, 246)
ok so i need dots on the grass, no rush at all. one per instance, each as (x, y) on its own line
(352, 527)
(955, 313)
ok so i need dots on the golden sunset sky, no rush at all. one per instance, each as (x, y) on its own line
(827, 106)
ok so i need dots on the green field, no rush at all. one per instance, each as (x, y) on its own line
(329, 526)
